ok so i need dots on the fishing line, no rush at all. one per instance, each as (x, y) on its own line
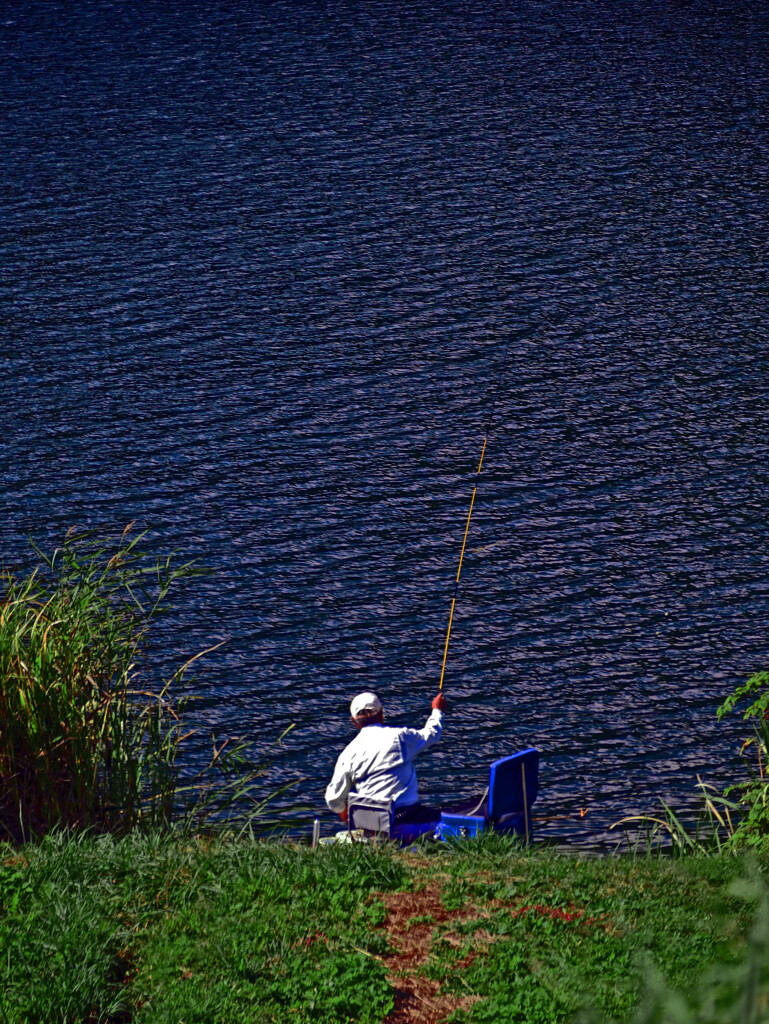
(472, 502)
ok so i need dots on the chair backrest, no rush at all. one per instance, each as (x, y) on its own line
(371, 815)
(506, 783)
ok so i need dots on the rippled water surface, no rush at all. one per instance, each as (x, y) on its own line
(260, 270)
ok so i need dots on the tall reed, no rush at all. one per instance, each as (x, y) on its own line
(86, 741)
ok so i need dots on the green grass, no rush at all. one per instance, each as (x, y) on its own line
(191, 930)
(567, 935)
(152, 928)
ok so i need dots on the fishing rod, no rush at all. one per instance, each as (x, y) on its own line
(470, 512)
(459, 570)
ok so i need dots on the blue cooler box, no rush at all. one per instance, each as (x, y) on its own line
(463, 826)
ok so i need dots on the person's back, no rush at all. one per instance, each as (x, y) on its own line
(377, 763)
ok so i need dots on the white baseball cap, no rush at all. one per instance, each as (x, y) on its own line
(365, 704)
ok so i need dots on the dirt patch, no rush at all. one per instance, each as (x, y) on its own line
(412, 918)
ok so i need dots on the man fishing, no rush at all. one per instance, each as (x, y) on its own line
(378, 762)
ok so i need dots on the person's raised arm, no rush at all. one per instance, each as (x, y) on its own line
(416, 740)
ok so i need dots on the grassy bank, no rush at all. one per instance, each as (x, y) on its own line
(156, 928)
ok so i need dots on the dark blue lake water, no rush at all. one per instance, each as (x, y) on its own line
(261, 266)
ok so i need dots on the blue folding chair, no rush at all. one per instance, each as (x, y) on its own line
(506, 804)
(378, 820)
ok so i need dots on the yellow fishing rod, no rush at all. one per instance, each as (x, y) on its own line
(459, 570)
(470, 513)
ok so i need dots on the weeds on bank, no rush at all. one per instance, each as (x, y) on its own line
(722, 823)
(87, 740)
(712, 832)
(752, 793)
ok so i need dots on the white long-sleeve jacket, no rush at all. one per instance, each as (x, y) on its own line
(378, 764)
